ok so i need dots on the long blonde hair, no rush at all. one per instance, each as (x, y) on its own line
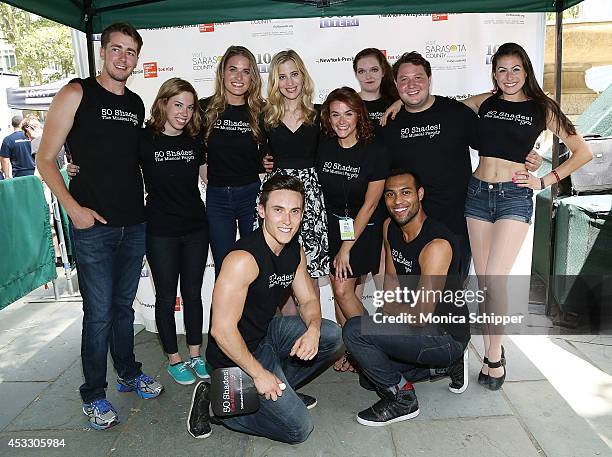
(275, 108)
(168, 89)
(218, 102)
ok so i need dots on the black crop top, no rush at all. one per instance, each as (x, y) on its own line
(508, 130)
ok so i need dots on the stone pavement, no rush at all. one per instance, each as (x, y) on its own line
(556, 402)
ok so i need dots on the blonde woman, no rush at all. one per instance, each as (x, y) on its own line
(291, 132)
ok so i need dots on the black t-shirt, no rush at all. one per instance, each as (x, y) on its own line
(276, 274)
(376, 109)
(103, 142)
(170, 165)
(344, 174)
(294, 150)
(232, 153)
(508, 130)
(435, 145)
(405, 258)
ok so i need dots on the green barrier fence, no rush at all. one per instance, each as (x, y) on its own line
(27, 259)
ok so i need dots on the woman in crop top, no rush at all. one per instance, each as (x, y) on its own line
(291, 135)
(232, 137)
(499, 203)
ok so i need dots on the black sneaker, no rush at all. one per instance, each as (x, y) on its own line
(369, 385)
(458, 373)
(403, 406)
(309, 402)
(198, 421)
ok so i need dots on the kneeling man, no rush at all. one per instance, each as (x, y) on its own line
(402, 341)
(244, 332)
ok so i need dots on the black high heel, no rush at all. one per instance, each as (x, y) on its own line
(496, 383)
(483, 379)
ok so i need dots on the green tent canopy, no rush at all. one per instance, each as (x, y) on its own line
(165, 13)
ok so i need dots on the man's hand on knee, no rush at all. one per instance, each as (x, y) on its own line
(307, 345)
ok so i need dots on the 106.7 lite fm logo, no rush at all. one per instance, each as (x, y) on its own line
(491, 49)
(263, 60)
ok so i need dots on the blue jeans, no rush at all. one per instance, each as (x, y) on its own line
(225, 205)
(386, 352)
(287, 419)
(109, 261)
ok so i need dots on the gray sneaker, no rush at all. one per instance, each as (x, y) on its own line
(101, 414)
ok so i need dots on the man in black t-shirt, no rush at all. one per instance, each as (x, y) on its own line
(279, 353)
(400, 342)
(100, 119)
(16, 152)
(431, 136)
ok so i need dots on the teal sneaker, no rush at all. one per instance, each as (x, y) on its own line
(181, 373)
(199, 366)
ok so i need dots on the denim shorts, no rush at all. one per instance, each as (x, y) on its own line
(499, 200)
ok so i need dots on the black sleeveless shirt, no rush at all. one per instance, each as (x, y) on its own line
(276, 274)
(508, 130)
(103, 141)
(406, 262)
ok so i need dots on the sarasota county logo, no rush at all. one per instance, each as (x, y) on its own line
(150, 69)
(201, 61)
(491, 49)
(446, 56)
(338, 21)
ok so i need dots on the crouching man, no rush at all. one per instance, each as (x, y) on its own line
(244, 332)
(401, 344)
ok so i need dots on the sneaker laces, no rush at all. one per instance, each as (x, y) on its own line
(193, 361)
(102, 405)
(143, 378)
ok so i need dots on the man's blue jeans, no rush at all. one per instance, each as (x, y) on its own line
(109, 261)
(225, 206)
(386, 352)
(287, 419)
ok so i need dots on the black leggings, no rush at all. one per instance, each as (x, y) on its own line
(169, 258)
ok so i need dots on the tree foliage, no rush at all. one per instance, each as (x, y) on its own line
(572, 12)
(40, 44)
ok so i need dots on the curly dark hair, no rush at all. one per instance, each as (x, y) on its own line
(347, 95)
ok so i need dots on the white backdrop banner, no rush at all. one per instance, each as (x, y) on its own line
(459, 47)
